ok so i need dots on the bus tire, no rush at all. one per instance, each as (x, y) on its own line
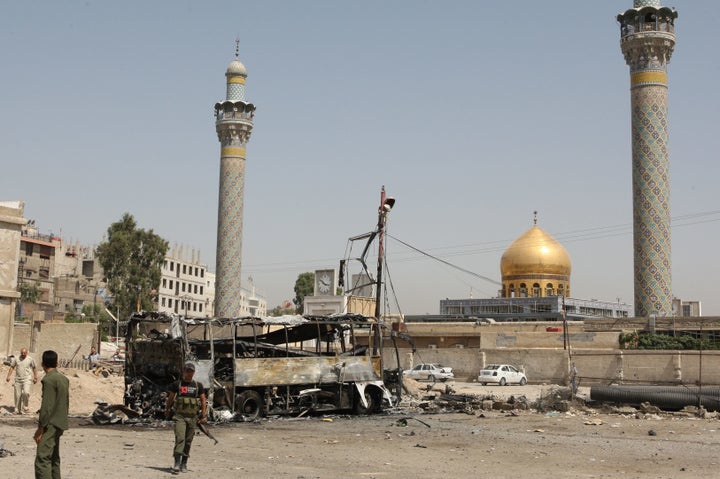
(373, 397)
(249, 404)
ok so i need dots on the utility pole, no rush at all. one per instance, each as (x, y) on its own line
(386, 204)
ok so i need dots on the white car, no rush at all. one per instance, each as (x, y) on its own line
(431, 372)
(501, 374)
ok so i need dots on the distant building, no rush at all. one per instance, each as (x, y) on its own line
(187, 288)
(535, 286)
(183, 285)
(686, 308)
(68, 276)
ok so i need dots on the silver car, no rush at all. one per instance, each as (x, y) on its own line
(431, 372)
(501, 374)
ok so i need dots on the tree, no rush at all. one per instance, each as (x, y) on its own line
(280, 311)
(29, 292)
(131, 259)
(304, 286)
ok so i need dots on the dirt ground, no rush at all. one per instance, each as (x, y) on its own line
(407, 442)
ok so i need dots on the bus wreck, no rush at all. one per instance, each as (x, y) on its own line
(253, 367)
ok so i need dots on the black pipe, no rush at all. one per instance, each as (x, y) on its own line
(671, 398)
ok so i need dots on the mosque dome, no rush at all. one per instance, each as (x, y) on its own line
(535, 253)
(236, 68)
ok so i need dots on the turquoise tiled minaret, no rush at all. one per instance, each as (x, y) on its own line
(233, 122)
(647, 39)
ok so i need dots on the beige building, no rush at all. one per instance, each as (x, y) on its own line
(187, 288)
(11, 222)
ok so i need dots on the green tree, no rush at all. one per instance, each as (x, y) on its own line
(280, 311)
(132, 258)
(304, 286)
(30, 292)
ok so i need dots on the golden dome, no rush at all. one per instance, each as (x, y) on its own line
(534, 253)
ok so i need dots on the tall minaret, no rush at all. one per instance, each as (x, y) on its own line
(233, 122)
(647, 39)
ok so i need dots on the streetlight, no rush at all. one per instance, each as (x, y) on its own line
(386, 204)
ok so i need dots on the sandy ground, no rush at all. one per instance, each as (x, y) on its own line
(580, 443)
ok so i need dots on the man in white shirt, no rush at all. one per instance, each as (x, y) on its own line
(25, 375)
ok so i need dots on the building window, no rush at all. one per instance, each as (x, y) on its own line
(172, 266)
(164, 283)
(523, 290)
(536, 290)
(200, 307)
(171, 284)
(195, 289)
(549, 290)
(202, 273)
(183, 287)
(169, 302)
(162, 302)
(184, 268)
(165, 265)
(44, 272)
(201, 289)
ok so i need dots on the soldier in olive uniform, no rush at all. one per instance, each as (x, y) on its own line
(188, 398)
(53, 418)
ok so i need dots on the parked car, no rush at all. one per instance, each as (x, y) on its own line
(501, 374)
(431, 372)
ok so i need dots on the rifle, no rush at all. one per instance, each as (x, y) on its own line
(203, 427)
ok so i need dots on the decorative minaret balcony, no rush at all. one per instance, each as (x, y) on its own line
(647, 37)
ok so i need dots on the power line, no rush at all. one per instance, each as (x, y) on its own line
(586, 234)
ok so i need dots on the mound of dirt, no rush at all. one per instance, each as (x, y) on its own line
(85, 388)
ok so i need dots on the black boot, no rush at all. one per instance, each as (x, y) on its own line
(183, 463)
(176, 467)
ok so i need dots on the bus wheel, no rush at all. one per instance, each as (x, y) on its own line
(373, 398)
(249, 404)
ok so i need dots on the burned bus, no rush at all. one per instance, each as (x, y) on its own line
(253, 367)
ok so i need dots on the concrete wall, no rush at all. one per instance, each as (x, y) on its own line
(64, 338)
(595, 366)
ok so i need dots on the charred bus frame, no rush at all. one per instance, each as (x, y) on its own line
(259, 366)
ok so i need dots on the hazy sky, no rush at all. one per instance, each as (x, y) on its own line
(472, 114)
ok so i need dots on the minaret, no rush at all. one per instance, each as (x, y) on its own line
(233, 122)
(647, 39)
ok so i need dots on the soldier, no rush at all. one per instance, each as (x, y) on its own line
(188, 398)
(25, 375)
(53, 419)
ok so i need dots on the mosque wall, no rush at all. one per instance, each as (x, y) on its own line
(595, 366)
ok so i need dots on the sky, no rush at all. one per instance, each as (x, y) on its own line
(471, 114)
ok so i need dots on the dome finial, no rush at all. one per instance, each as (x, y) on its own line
(237, 48)
(535, 217)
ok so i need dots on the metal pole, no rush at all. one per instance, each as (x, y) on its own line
(377, 334)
